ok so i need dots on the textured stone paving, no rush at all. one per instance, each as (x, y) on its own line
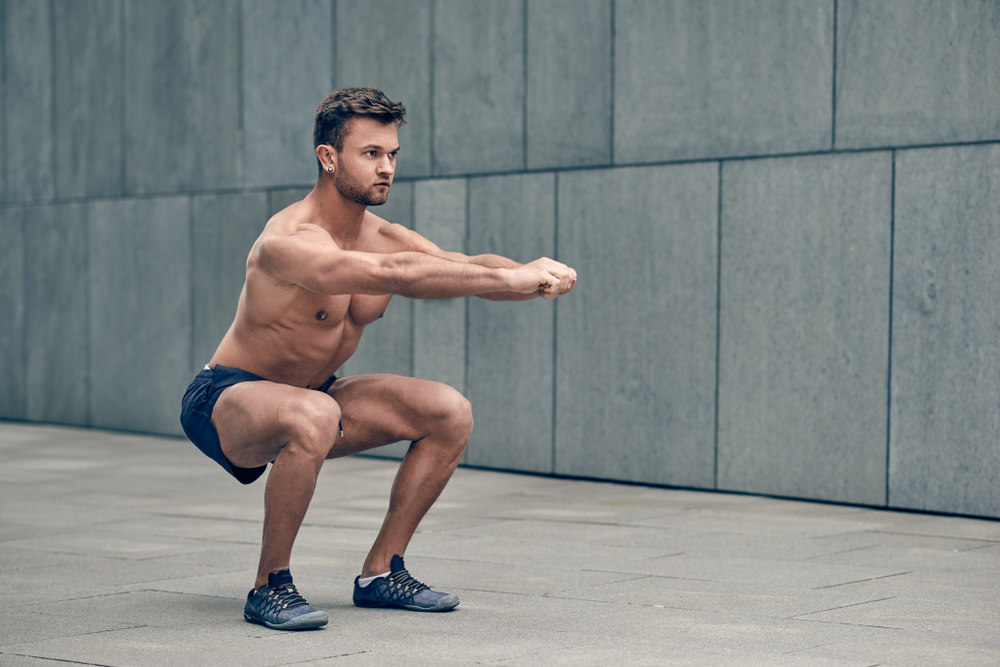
(127, 550)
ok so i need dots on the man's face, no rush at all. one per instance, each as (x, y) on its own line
(366, 165)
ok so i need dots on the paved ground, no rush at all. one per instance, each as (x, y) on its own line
(126, 550)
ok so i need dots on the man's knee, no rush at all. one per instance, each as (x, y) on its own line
(310, 422)
(453, 412)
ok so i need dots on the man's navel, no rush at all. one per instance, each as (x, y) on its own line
(321, 315)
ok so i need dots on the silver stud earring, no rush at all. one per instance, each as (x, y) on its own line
(330, 169)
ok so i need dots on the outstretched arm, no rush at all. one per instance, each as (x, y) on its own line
(566, 276)
(499, 262)
(309, 258)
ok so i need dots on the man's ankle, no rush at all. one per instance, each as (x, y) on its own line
(263, 579)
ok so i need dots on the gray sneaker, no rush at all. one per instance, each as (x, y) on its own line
(399, 589)
(278, 605)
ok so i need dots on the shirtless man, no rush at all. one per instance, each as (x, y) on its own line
(321, 270)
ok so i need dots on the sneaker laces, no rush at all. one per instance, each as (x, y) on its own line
(402, 580)
(286, 597)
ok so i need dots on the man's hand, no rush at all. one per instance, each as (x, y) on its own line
(546, 277)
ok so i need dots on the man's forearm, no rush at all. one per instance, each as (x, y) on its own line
(493, 261)
(421, 276)
(499, 262)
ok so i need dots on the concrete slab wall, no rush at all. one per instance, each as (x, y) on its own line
(569, 82)
(29, 70)
(89, 101)
(510, 345)
(440, 210)
(945, 315)
(13, 379)
(635, 393)
(478, 86)
(56, 302)
(917, 72)
(140, 312)
(223, 230)
(182, 96)
(782, 212)
(403, 71)
(697, 78)
(287, 67)
(804, 326)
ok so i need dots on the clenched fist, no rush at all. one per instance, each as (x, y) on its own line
(545, 276)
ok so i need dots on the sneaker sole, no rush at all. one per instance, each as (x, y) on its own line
(447, 603)
(316, 619)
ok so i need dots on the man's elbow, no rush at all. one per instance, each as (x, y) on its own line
(392, 274)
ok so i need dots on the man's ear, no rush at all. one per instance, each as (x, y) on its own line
(326, 157)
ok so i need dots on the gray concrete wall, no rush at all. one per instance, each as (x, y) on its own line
(784, 215)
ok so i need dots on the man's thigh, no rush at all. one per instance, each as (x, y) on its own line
(251, 419)
(381, 409)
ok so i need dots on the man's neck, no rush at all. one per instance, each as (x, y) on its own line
(340, 217)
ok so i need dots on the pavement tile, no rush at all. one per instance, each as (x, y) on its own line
(59, 512)
(776, 602)
(377, 658)
(147, 562)
(165, 609)
(924, 615)
(642, 653)
(15, 660)
(713, 632)
(35, 625)
(120, 575)
(148, 646)
(198, 528)
(13, 558)
(755, 571)
(111, 543)
(910, 649)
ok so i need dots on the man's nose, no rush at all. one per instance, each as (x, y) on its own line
(386, 166)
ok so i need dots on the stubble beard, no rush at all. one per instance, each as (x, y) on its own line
(352, 190)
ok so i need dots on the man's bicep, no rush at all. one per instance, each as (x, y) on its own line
(319, 265)
(407, 240)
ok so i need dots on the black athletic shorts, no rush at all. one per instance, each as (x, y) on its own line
(196, 414)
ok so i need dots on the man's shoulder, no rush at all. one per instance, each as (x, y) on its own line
(295, 219)
(389, 235)
(375, 223)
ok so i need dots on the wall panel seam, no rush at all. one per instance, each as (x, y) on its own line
(333, 44)
(431, 35)
(833, 84)
(123, 62)
(555, 319)
(611, 109)
(88, 384)
(524, 84)
(465, 300)
(52, 100)
(4, 186)
(192, 291)
(411, 303)
(888, 380)
(718, 322)
(26, 373)
(241, 154)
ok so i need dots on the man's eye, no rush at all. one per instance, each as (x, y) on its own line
(370, 153)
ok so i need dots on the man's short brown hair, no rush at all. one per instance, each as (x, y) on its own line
(342, 105)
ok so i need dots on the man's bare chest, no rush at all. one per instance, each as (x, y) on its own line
(364, 309)
(355, 309)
